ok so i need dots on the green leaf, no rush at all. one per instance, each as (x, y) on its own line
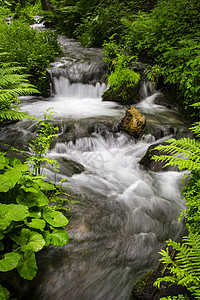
(31, 199)
(47, 237)
(4, 293)
(59, 237)
(2, 162)
(55, 218)
(29, 240)
(9, 262)
(46, 186)
(36, 223)
(11, 212)
(27, 268)
(15, 162)
(35, 213)
(5, 184)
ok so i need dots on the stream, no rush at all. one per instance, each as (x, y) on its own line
(124, 214)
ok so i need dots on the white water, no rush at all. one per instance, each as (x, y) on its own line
(75, 101)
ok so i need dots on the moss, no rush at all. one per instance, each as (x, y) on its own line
(124, 95)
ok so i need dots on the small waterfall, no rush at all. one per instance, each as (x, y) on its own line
(64, 88)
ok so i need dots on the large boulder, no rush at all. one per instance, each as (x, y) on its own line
(124, 95)
(151, 164)
(133, 122)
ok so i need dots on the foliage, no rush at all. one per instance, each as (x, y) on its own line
(99, 26)
(46, 132)
(27, 46)
(27, 222)
(169, 37)
(185, 268)
(179, 297)
(12, 84)
(111, 49)
(94, 21)
(122, 74)
(5, 12)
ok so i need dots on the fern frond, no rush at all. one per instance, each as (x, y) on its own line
(14, 115)
(185, 268)
(183, 153)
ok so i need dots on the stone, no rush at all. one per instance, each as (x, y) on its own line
(124, 95)
(150, 164)
(133, 122)
(145, 290)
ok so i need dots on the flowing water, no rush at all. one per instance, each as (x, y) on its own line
(125, 213)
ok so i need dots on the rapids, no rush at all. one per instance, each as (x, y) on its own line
(124, 213)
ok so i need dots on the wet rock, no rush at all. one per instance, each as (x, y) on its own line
(145, 290)
(124, 95)
(69, 167)
(133, 122)
(150, 164)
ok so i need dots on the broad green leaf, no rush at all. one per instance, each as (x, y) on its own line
(27, 267)
(9, 262)
(5, 184)
(46, 186)
(47, 237)
(13, 176)
(36, 223)
(42, 199)
(28, 199)
(59, 237)
(29, 189)
(2, 162)
(4, 293)
(11, 212)
(35, 214)
(29, 240)
(55, 218)
(15, 162)
(33, 199)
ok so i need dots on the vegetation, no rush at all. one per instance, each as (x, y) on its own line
(12, 84)
(94, 21)
(27, 221)
(184, 268)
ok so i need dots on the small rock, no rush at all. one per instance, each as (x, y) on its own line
(133, 122)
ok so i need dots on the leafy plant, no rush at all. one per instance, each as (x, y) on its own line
(185, 268)
(12, 85)
(169, 37)
(122, 74)
(30, 48)
(27, 222)
(46, 132)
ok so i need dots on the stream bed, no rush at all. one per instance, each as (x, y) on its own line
(124, 213)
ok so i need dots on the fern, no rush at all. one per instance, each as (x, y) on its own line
(185, 268)
(186, 153)
(12, 85)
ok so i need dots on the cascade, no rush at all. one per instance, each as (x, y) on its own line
(124, 213)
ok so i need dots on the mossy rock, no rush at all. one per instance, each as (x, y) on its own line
(124, 95)
(151, 164)
(133, 122)
(145, 290)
